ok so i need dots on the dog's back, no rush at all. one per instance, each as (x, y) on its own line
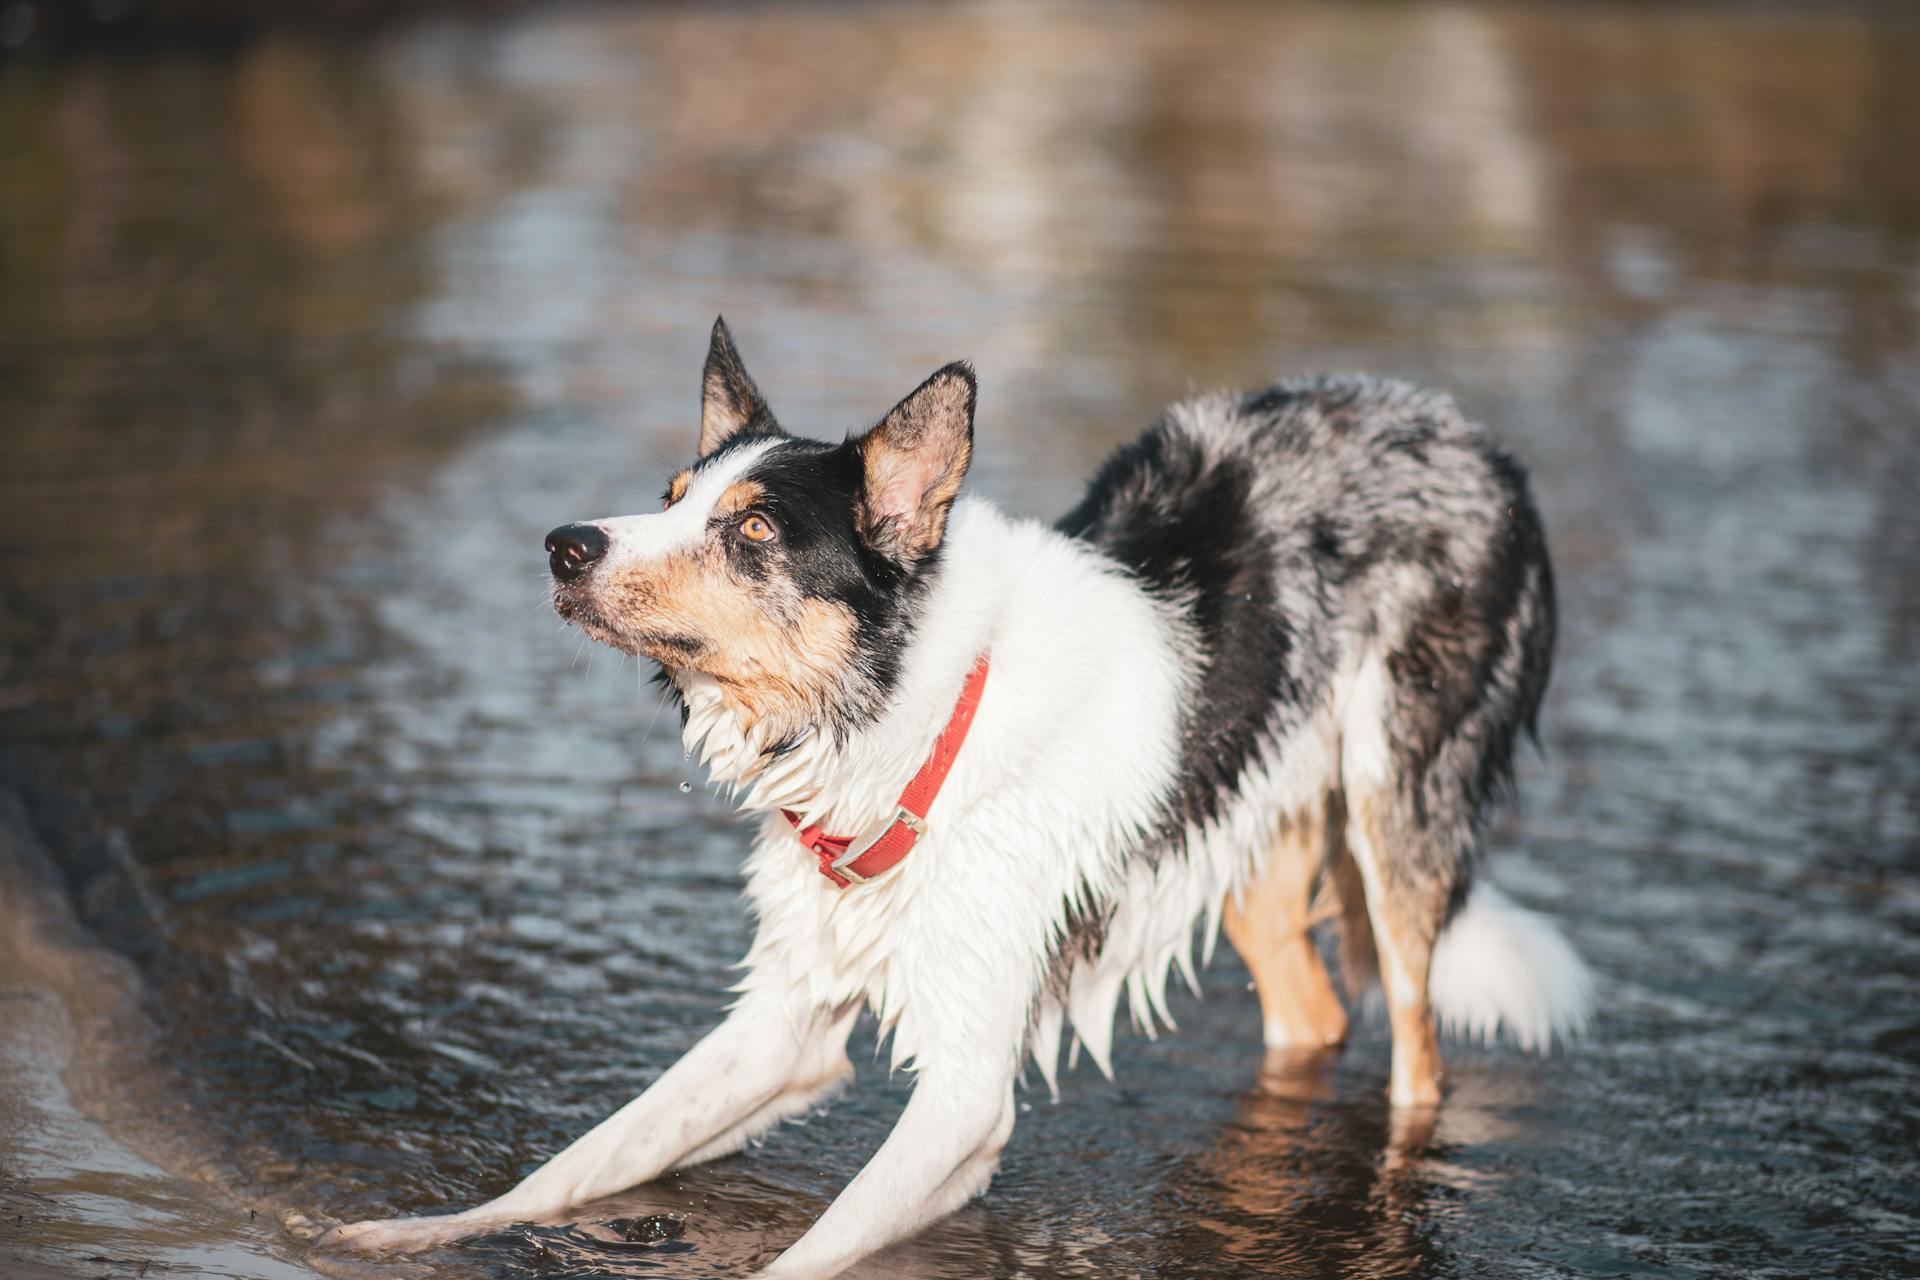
(1364, 583)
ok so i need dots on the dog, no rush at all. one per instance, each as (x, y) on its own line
(1271, 669)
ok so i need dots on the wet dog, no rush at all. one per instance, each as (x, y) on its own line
(1272, 667)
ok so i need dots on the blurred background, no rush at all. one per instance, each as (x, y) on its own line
(314, 318)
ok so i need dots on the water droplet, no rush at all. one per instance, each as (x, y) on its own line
(685, 787)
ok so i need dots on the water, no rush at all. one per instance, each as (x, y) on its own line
(305, 342)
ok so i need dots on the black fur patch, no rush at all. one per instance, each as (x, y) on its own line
(1182, 522)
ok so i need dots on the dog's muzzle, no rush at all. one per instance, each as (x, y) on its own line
(573, 549)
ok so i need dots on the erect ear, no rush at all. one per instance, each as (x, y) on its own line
(729, 402)
(914, 462)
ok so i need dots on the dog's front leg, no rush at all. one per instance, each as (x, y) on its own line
(769, 1060)
(940, 1155)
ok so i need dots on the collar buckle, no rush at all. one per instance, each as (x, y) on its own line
(902, 817)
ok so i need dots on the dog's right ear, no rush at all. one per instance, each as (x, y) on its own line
(729, 402)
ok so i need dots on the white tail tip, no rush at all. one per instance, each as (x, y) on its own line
(1499, 965)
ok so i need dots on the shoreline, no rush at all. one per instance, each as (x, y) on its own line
(88, 1187)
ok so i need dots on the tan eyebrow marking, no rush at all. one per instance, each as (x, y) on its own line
(677, 487)
(738, 496)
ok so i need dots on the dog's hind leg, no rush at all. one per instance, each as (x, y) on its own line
(1411, 830)
(1406, 916)
(769, 1060)
(1267, 922)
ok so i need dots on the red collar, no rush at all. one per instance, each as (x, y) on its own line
(844, 863)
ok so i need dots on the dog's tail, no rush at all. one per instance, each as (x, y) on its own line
(1498, 965)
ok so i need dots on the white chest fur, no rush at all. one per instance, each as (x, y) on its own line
(1070, 756)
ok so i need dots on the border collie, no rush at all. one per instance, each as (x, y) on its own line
(1270, 670)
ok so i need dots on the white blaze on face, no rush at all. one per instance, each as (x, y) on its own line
(651, 538)
(775, 659)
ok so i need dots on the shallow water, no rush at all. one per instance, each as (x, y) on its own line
(305, 343)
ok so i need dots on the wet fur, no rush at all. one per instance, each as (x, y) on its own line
(1287, 639)
(1298, 528)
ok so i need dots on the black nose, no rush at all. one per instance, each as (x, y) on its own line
(572, 549)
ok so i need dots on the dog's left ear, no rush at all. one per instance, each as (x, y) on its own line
(914, 462)
(729, 402)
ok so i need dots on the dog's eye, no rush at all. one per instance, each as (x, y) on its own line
(756, 528)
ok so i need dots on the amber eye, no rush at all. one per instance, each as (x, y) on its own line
(756, 528)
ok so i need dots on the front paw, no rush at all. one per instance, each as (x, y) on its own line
(397, 1235)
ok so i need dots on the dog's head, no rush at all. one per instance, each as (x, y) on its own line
(786, 570)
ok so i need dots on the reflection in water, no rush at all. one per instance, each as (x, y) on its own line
(1303, 1178)
(305, 343)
